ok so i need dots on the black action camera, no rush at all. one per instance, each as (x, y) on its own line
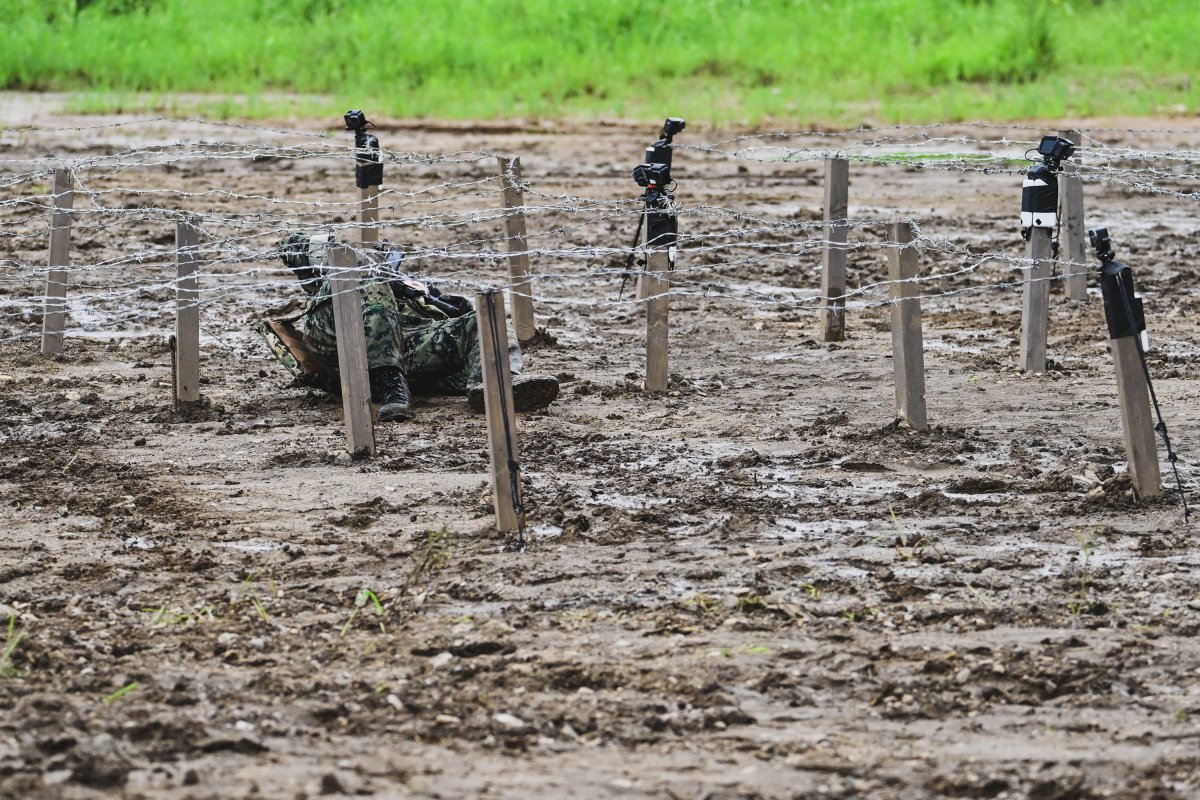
(652, 176)
(1053, 149)
(1102, 243)
(368, 169)
(659, 155)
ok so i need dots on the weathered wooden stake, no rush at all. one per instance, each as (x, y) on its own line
(521, 285)
(833, 263)
(642, 290)
(368, 215)
(655, 278)
(908, 354)
(1035, 304)
(352, 350)
(187, 315)
(498, 405)
(1134, 397)
(54, 312)
(1074, 257)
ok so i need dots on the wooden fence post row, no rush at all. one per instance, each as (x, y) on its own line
(187, 315)
(658, 264)
(368, 214)
(908, 355)
(1035, 303)
(352, 350)
(833, 263)
(1074, 255)
(518, 252)
(1137, 424)
(501, 419)
(55, 309)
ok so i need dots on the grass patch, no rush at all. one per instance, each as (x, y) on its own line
(12, 638)
(109, 699)
(433, 557)
(753, 61)
(360, 602)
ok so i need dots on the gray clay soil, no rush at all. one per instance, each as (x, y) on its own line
(757, 585)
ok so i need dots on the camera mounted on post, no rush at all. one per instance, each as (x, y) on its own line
(1123, 309)
(654, 175)
(1102, 243)
(655, 171)
(1039, 193)
(368, 169)
(1053, 149)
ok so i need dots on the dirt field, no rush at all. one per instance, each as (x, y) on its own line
(756, 586)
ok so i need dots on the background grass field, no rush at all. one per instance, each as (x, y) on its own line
(722, 61)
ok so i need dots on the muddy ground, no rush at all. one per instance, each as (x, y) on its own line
(758, 585)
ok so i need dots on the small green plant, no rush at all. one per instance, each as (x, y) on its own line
(12, 638)
(813, 592)
(433, 557)
(743, 650)
(109, 699)
(260, 608)
(165, 616)
(360, 603)
(1080, 604)
(751, 603)
(706, 603)
(910, 547)
(978, 595)
(249, 582)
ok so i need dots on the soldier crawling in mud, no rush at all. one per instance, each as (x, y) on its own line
(416, 337)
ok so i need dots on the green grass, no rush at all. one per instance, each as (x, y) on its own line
(12, 638)
(718, 61)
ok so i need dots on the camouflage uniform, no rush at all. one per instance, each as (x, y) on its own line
(437, 351)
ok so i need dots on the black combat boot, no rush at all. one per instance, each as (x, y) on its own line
(390, 390)
(530, 393)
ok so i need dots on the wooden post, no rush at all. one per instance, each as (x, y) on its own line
(1074, 257)
(657, 265)
(908, 354)
(368, 214)
(833, 263)
(642, 290)
(498, 405)
(521, 286)
(1134, 396)
(352, 350)
(187, 315)
(54, 311)
(1035, 305)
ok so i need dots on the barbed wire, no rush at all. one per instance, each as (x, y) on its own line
(719, 245)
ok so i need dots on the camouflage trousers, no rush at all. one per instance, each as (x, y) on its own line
(438, 356)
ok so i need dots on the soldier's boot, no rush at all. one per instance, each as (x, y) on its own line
(390, 390)
(530, 393)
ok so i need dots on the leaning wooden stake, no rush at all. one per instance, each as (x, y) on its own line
(1074, 239)
(1137, 421)
(368, 214)
(187, 315)
(908, 355)
(521, 286)
(352, 350)
(833, 265)
(498, 405)
(1035, 305)
(655, 279)
(54, 312)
